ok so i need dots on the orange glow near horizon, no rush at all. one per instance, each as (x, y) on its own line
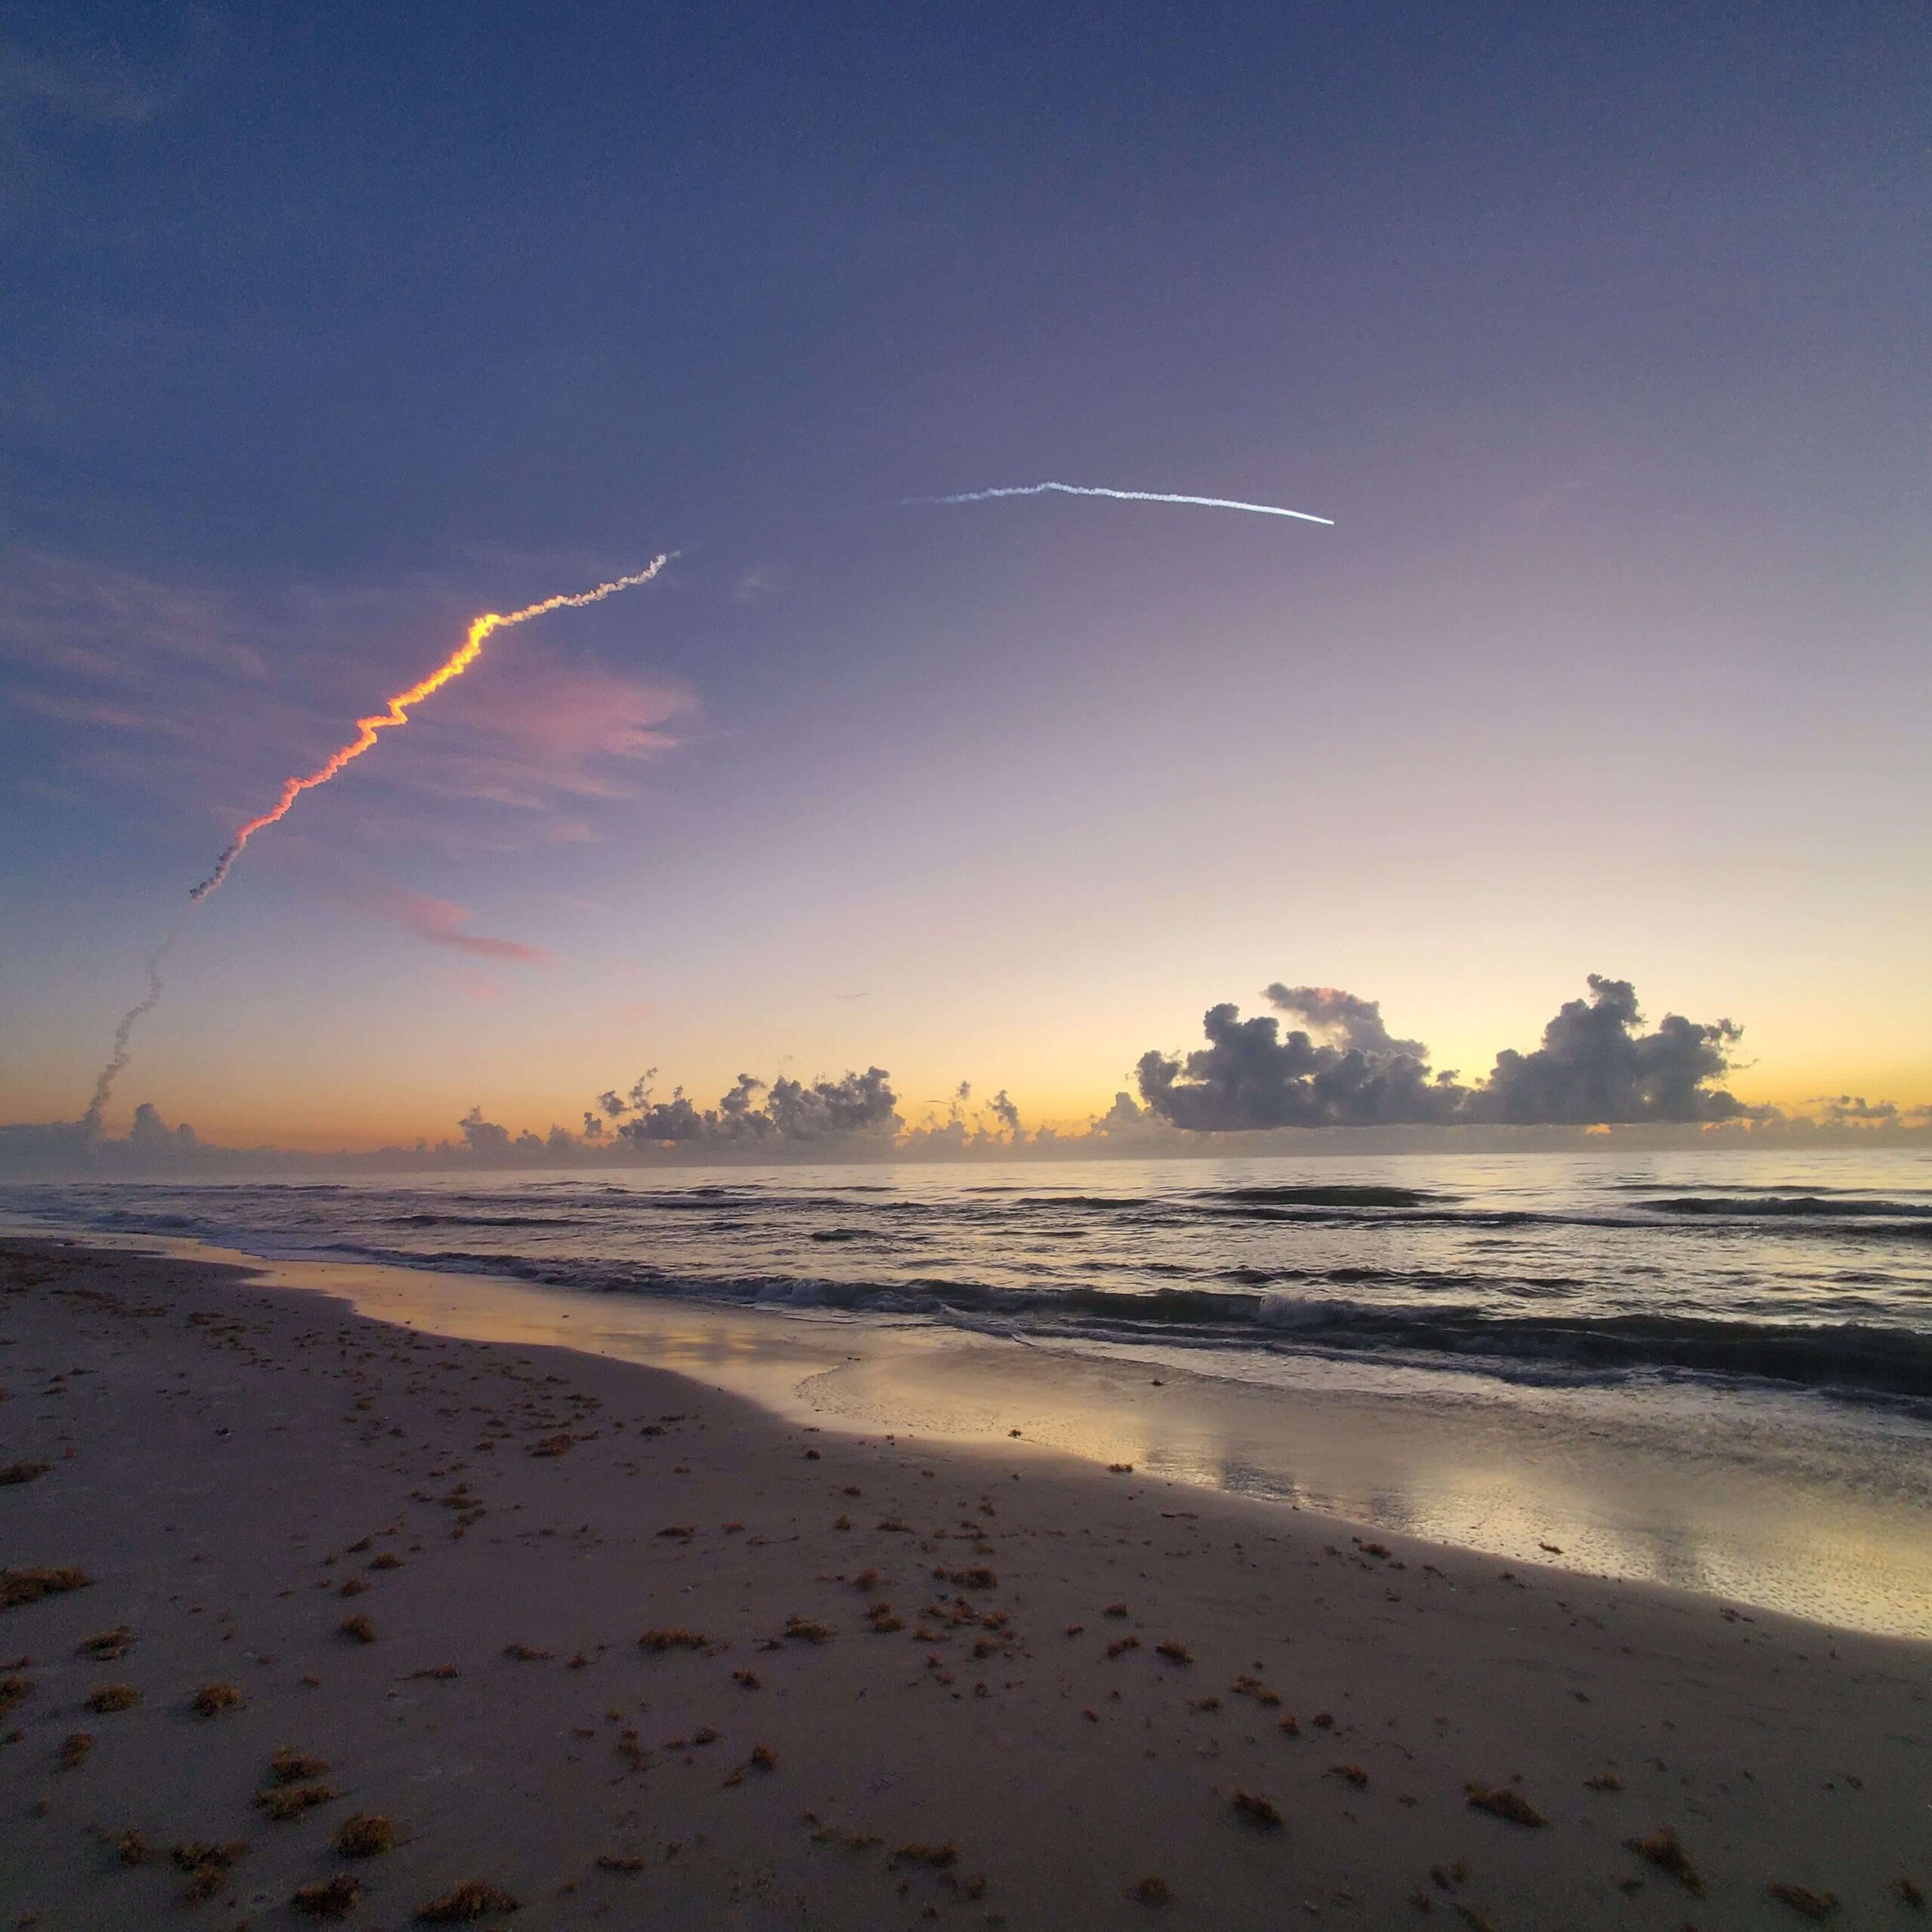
(396, 712)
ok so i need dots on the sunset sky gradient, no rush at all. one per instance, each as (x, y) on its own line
(1599, 332)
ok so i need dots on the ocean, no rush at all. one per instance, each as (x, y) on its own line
(1804, 1271)
(1709, 1370)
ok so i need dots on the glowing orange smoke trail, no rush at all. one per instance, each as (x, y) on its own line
(398, 710)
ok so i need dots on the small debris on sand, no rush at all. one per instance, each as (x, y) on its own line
(282, 1803)
(466, 1902)
(211, 1699)
(1260, 1812)
(109, 1697)
(1804, 1901)
(672, 1640)
(364, 1835)
(937, 1856)
(1504, 1801)
(1152, 1889)
(328, 1898)
(24, 1586)
(1665, 1851)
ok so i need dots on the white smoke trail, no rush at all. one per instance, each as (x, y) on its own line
(117, 1058)
(1123, 496)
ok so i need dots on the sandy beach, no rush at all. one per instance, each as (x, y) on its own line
(309, 1615)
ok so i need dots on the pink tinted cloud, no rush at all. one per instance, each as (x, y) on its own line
(193, 694)
(441, 922)
(532, 725)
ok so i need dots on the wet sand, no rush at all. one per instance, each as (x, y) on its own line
(638, 1649)
(1791, 1501)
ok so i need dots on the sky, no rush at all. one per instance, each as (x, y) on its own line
(1599, 331)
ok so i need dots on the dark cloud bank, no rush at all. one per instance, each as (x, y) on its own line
(1323, 1058)
(1340, 1067)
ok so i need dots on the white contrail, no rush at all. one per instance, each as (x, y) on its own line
(1124, 496)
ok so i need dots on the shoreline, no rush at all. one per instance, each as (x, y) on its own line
(1773, 1502)
(1285, 1717)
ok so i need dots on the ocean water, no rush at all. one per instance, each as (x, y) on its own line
(1777, 1271)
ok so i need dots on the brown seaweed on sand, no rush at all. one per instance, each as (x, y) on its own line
(283, 1802)
(1804, 1901)
(1152, 1889)
(1503, 1801)
(660, 1640)
(19, 1472)
(206, 1866)
(24, 1586)
(109, 1697)
(364, 1835)
(1665, 1851)
(463, 1904)
(328, 1898)
(1254, 1810)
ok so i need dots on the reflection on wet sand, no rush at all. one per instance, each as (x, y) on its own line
(1794, 1503)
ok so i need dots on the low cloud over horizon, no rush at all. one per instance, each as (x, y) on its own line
(1340, 1070)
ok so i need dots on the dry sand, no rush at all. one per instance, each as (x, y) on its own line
(625, 1653)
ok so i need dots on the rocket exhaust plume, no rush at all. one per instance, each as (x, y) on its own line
(1121, 496)
(123, 1033)
(397, 711)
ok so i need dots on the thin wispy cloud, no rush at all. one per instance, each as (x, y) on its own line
(439, 922)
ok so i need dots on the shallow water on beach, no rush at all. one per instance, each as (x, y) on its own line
(1713, 1371)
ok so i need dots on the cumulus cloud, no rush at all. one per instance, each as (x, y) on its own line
(1593, 1065)
(439, 922)
(856, 1106)
(1354, 1022)
(994, 1126)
